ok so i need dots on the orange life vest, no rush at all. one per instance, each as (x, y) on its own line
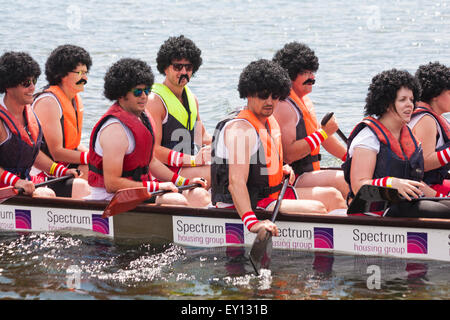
(310, 122)
(271, 142)
(72, 117)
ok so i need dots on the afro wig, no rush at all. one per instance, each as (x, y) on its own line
(64, 59)
(177, 48)
(296, 57)
(384, 87)
(262, 78)
(124, 75)
(433, 78)
(16, 67)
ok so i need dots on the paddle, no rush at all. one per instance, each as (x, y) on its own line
(262, 246)
(127, 199)
(324, 121)
(373, 198)
(9, 192)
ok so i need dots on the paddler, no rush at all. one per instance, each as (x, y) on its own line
(122, 142)
(59, 108)
(429, 125)
(384, 152)
(247, 157)
(181, 141)
(20, 130)
(302, 136)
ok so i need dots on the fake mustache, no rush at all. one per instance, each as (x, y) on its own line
(183, 76)
(82, 81)
(310, 81)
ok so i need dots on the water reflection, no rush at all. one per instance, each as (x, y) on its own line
(36, 266)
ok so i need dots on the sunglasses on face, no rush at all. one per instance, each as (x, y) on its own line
(179, 66)
(28, 82)
(265, 95)
(81, 73)
(138, 92)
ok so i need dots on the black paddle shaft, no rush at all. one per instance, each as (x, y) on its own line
(327, 118)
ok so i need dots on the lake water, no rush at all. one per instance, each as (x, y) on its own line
(354, 41)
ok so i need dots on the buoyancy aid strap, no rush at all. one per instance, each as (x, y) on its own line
(175, 107)
(422, 107)
(403, 149)
(33, 125)
(311, 124)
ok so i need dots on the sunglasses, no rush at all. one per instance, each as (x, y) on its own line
(81, 73)
(179, 66)
(138, 92)
(266, 94)
(28, 82)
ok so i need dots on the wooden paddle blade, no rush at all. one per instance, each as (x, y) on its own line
(126, 200)
(7, 192)
(261, 251)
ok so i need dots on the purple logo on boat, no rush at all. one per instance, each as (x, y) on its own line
(323, 238)
(234, 233)
(23, 219)
(100, 224)
(417, 242)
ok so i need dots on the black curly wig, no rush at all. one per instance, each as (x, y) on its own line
(383, 90)
(125, 75)
(264, 77)
(15, 68)
(64, 59)
(177, 48)
(433, 78)
(296, 57)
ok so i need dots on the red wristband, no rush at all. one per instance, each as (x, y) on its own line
(151, 186)
(179, 180)
(84, 157)
(383, 182)
(175, 159)
(9, 178)
(249, 219)
(444, 156)
(316, 138)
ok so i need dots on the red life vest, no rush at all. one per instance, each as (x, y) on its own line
(18, 153)
(437, 175)
(135, 164)
(401, 159)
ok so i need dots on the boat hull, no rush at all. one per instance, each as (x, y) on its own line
(393, 237)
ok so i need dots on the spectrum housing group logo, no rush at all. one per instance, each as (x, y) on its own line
(23, 219)
(100, 224)
(323, 238)
(234, 233)
(417, 242)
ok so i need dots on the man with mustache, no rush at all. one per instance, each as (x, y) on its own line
(181, 141)
(301, 134)
(247, 168)
(60, 110)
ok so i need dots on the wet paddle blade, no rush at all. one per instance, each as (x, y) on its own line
(262, 246)
(7, 192)
(126, 200)
(261, 252)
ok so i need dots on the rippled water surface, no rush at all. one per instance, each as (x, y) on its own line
(354, 40)
(42, 266)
